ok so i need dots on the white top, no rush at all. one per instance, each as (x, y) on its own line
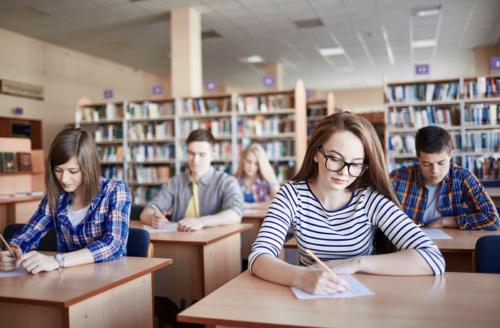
(431, 212)
(339, 234)
(77, 216)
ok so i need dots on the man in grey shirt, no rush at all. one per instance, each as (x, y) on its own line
(219, 200)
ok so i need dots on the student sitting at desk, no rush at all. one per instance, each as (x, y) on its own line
(201, 196)
(256, 177)
(90, 214)
(337, 200)
(434, 191)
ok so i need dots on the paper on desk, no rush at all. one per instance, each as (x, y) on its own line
(169, 227)
(358, 289)
(436, 233)
(14, 273)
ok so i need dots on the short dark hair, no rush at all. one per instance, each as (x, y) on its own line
(200, 135)
(433, 139)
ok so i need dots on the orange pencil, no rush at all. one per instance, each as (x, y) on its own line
(8, 247)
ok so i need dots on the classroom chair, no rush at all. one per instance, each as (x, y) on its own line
(135, 212)
(487, 254)
(138, 243)
(47, 244)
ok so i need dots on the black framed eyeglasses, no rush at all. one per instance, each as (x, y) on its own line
(336, 164)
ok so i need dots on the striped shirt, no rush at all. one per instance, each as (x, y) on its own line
(461, 196)
(342, 233)
(104, 230)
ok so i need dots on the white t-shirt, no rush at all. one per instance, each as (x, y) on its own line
(431, 212)
(77, 216)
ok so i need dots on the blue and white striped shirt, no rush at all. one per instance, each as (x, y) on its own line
(339, 234)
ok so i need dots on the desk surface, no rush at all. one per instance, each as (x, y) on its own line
(63, 288)
(255, 213)
(493, 191)
(20, 199)
(453, 300)
(200, 237)
(462, 240)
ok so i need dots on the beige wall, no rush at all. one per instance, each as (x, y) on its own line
(360, 100)
(66, 75)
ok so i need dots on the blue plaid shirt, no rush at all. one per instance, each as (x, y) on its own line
(104, 230)
(462, 196)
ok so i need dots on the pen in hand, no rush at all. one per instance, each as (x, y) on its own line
(8, 246)
(341, 282)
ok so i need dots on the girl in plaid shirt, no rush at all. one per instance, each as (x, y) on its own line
(90, 214)
(256, 177)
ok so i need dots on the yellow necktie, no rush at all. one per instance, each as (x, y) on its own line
(193, 208)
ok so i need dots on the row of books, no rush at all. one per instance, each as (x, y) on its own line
(481, 141)
(111, 153)
(109, 111)
(264, 103)
(143, 195)
(417, 117)
(108, 132)
(150, 109)
(484, 168)
(151, 131)
(445, 91)
(261, 125)
(157, 152)
(219, 128)
(204, 106)
(150, 174)
(482, 114)
(274, 149)
(12, 162)
(113, 172)
(482, 87)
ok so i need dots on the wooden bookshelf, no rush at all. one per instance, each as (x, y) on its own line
(468, 108)
(154, 133)
(317, 109)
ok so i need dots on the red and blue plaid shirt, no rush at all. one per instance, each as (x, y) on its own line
(104, 230)
(462, 196)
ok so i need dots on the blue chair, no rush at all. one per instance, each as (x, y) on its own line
(487, 254)
(138, 243)
(47, 244)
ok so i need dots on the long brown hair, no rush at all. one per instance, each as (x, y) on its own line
(375, 176)
(67, 144)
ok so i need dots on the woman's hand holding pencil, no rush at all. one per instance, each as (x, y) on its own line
(9, 257)
(320, 281)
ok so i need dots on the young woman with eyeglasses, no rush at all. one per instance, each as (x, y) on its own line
(334, 205)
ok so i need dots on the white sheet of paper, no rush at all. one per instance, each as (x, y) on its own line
(169, 227)
(358, 289)
(436, 233)
(14, 273)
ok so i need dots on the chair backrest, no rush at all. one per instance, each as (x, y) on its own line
(138, 243)
(487, 254)
(47, 244)
(135, 212)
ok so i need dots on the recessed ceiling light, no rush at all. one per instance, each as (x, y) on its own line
(427, 11)
(252, 59)
(308, 23)
(424, 43)
(333, 51)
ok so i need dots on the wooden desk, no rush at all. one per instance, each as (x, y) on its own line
(17, 209)
(453, 300)
(204, 260)
(458, 252)
(255, 218)
(494, 193)
(111, 294)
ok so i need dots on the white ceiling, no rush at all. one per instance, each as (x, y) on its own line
(136, 33)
